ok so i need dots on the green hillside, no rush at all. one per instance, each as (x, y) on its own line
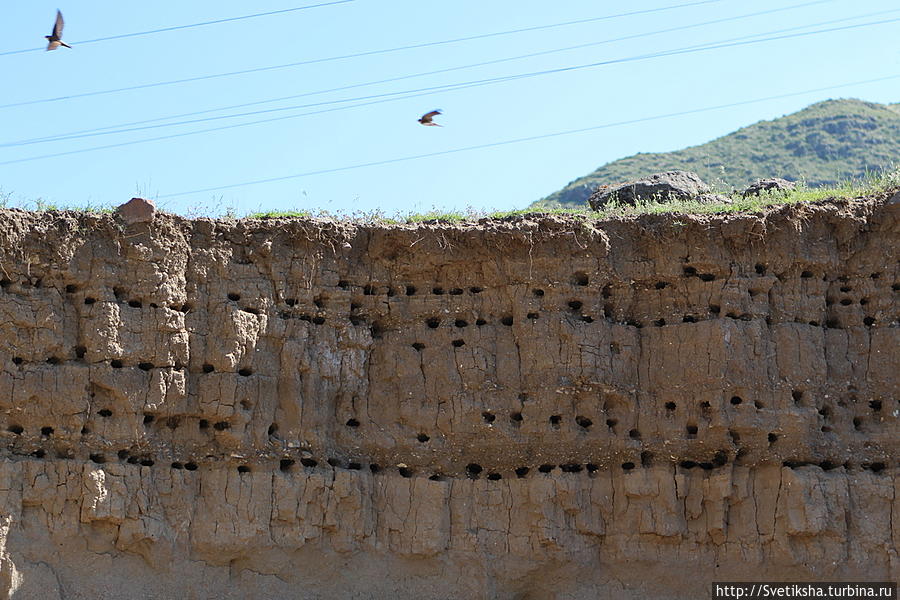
(822, 144)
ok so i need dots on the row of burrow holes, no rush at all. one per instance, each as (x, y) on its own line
(435, 322)
(516, 419)
(578, 279)
(584, 423)
(472, 470)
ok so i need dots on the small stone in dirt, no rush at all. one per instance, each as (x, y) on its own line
(137, 210)
(773, 184)
(671, 185)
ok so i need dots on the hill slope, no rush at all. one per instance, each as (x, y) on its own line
(822, 144)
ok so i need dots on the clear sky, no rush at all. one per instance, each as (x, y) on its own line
(500, 177)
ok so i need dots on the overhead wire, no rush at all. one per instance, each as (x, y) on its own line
(449, 87)
(347, 56)
(520, 140)
(105, 130)
(189, 26)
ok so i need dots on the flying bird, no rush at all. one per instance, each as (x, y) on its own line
(427, 119)
(55, 38)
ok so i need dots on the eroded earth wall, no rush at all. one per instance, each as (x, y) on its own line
(522, 408)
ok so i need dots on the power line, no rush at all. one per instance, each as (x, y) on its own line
(378, 98)
(345, 56)
(105, 130)
(521, 140)
(192, 25)
(221, 128)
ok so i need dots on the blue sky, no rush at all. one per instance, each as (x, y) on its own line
(501, 177)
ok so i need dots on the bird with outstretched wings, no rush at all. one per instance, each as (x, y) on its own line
(426, 119)
(55, 39)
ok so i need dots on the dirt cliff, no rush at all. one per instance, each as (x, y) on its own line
(523, 408)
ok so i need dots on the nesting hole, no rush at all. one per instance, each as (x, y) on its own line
(583, 422)
(243, 469)
(521, 472)
(539, 293)
(245, 372)
(634, 434)
(46, 431)
(418, 346)
(98, 458)
(433, 322)
(422, 437)
(508, 321)
(309, 462)
(691, 430)
(671, 406)
(546, 468)
(234, 297)
(473, 470)
(115, 363)
(627, 466)
(352, 423)
(736, 400)
(772, 437)
(104, 412)
(16, 429)
(458, 343)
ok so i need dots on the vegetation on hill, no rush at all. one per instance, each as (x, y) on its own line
(823, 144)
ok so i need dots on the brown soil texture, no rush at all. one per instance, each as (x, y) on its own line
(526, 408)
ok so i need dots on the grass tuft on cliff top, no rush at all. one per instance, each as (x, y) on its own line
(871, 185)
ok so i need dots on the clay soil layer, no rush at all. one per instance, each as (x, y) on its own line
(535, 407)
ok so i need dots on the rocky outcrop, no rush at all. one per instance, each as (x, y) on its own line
(659, 187)
(773, 185)
(519, 408)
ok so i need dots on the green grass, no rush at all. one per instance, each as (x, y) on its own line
(873, 184)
